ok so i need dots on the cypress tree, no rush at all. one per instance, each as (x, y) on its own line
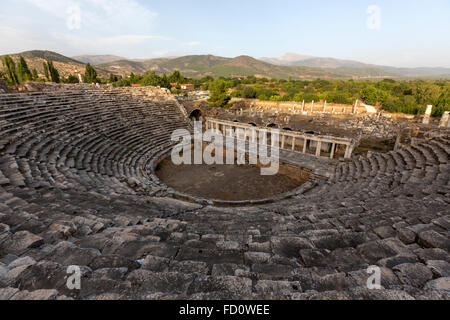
(90, 75)
(54, 74)
(22, 71)
(10, 70)
(46, 73)
(113, 78)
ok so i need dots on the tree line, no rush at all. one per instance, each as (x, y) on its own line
(14, 73)
(410, 97)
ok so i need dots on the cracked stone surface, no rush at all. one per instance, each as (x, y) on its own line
(76, 189)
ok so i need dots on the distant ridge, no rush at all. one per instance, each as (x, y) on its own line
(197, 66)
(97, 59)
(208, 65)
(351, 66)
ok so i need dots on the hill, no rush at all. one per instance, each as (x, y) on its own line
(65, 65)
(197, 66)
(207, 65)
(357, 68)
(287, 67)
(97, 59)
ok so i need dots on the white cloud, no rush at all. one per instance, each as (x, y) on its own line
(70, 27)
(118, 45)
(102, 15)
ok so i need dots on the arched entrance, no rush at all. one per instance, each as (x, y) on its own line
(195, 115)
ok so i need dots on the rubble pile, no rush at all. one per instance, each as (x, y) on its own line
(374, 125)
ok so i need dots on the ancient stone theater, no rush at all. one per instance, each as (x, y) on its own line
(87, 186)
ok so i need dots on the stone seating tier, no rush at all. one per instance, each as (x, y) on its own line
(75, 190)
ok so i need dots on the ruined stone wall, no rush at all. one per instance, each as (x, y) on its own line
(296, 107)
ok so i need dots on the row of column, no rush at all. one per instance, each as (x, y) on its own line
(254, 138)
(444, 123)
(333, 110)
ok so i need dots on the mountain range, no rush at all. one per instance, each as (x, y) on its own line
(290, 65)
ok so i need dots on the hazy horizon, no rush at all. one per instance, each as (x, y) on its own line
(402, 34)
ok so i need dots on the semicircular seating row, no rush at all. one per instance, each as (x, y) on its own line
(63, 160)
(83, 138)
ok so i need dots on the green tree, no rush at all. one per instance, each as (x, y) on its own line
(249, 93)
(90, 75)
(22, 71)
(165, 83)
(54, 74)
(35, 74)
(51, 72)
(426, 93)
(71, 79)
(372, 95)
(176, 77)
(46, 72)
(10, 70)
(218, 94)
(113, 78)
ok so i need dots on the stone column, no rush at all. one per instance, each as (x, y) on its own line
(426, 119)
(324, 106)
(445, 120)
(312, 107)
(283, 140)
(303, 106)
(318, 149)
(264, 137)
(293, 143)
(305, 143)
(355, 107)
(348, 152)
(333, 150)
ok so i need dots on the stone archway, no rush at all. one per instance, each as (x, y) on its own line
(195, 115)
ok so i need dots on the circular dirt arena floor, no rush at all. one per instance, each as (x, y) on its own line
(225, 182)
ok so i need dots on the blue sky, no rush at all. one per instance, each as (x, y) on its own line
(405, 33)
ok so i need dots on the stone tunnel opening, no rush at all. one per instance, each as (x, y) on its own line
(195, 115)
